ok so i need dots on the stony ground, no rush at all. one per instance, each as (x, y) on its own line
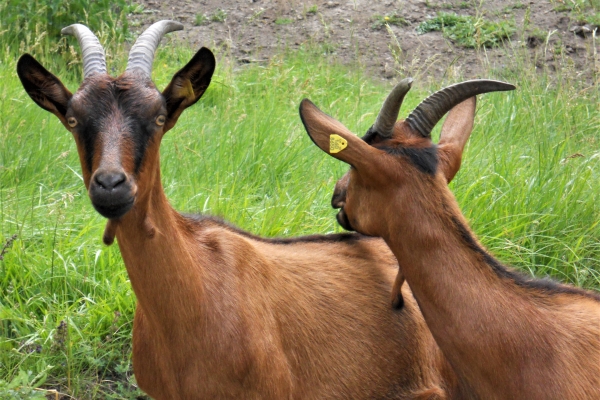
(250, 31)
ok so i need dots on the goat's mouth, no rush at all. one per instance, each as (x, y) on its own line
(342, 219)
(114, 209)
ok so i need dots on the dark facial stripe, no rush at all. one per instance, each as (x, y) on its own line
(100, 100)
(545, 285)
(140, 143)
(89, 138)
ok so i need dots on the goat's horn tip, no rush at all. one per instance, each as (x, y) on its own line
(68, 30)
(173, 25)
(404, 85)
(503, 86)
(177, 26)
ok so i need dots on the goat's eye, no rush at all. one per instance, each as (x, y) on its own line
(72, 122)
(160, 120)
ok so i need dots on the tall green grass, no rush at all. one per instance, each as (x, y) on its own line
(34, 26)
(66, 305)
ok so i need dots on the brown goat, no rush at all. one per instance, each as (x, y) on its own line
(222, 313)
(505, 335)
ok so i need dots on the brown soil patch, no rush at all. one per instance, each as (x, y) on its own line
(255, 30)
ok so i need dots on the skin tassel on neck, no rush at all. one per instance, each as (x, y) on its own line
(110, 231)
(149, 227)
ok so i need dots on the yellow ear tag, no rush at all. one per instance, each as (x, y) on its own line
(337, 144)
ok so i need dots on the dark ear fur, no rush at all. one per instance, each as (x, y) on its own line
(43, 87)
(188, 85)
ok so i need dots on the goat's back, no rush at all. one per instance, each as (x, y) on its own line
(320, 306)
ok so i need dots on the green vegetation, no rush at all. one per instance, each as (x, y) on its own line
(380, 21)
(28, 24)
(574, 5)
(203, 19)
(23, 386)
(312, 9)
(51, 16)
(593, 19)
(34, 27)
(583, 11)
(219, 16)
(469, 31)
(283, 21)
(528, 184)
(509, 9)
(200, 19)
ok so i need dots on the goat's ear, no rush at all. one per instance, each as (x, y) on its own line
(455, 132)
(44, 88)
(335, 139)
(188, 85)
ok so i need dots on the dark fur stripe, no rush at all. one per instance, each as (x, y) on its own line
(370, 136)
(331, 238)
(544, 285)
(425, 158)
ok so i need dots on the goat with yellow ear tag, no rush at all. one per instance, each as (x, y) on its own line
(507, 336)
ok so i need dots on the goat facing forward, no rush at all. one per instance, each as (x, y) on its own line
(222, 313)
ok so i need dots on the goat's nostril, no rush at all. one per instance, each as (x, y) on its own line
(337, 203)
(110, 180)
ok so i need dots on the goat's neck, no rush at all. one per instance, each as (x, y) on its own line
(157, 251)
(469, 309)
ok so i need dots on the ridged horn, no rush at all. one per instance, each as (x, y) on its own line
(141, 55)
(94, 60)
(384, 124)
(433, 108)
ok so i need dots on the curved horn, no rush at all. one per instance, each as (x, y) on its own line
(433, 108)
(384, 124)
(94, 60)
(141, 54)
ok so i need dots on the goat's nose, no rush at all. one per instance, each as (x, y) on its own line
(109, 180)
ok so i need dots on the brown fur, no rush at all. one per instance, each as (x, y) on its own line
(505, 335)
(222, 314)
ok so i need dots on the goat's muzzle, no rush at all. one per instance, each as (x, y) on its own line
(112, 193)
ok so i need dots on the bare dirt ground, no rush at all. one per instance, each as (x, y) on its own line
(255, 30)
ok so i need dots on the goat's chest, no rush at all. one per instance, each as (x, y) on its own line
(202, 366)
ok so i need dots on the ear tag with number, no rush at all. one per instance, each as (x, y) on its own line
(337, 144)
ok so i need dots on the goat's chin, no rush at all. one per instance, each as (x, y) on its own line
(114, 211)
(342, 219)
